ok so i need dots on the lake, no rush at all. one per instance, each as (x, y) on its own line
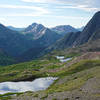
(36, 85)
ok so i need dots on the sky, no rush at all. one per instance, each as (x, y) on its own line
(50, 13)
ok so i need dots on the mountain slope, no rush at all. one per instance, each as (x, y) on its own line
(64, 29)
(90, 33)
(13, 42)
(90, 30)
(67, 41)
(34, 31)
(32, 41)
(5, 59)
(40, 33)
(31, 54)
(48, 39)
(42, 38)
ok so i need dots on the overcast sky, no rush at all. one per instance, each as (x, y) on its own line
(21, 13)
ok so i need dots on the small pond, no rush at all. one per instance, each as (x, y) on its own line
(36, 85)
(63, 59)
(60, 57)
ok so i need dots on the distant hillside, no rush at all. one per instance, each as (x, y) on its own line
(31, 54)
(5, 59)
(13, 42)
(64, 29)
(67, 41)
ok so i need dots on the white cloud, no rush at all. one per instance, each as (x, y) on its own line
(69, 17)
(38, 10)
(25, 14)
(82, 7)
(86, 5)
(41, 1)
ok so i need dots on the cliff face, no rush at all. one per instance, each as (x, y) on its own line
(91, 30)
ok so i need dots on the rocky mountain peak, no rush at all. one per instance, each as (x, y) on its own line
(64, 29)
(34, 27)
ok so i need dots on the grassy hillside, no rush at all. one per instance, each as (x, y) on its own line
(74, 77)
(26, 71)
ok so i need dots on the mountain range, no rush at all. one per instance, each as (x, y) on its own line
(41, 35)
(32, 38)
(91, 32)
(64, 29)
(36, 40)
